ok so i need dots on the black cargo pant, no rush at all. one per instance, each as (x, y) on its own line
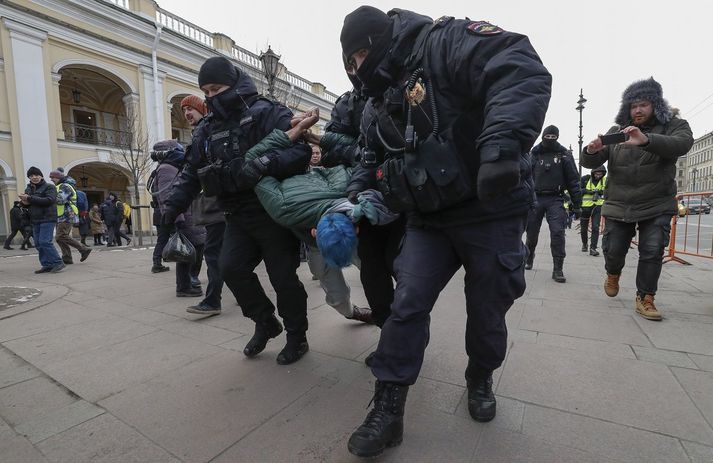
(654, 235)
(492, 254)
(551, 207)
(377, 249)
(249, 239)
(163, 232)
(593, 214)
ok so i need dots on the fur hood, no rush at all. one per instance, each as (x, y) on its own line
(647, 89)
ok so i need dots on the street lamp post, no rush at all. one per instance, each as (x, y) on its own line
(694, 171)
(270, 66)
(580, 108)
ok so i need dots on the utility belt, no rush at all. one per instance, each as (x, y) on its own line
(556, 192)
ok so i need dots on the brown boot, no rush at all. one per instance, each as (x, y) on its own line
(611, 285)
(362, 314)
(646, 308)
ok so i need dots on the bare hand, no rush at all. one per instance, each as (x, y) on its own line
(595, 145)
(636, 136)
(24, 198)
(311, 137)
(303, 123)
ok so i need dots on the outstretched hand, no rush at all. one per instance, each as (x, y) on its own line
(302, 123)
(595, 145)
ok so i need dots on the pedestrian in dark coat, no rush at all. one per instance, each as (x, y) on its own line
(15, 225)
(41, 197)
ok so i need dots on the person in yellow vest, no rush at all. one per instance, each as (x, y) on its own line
(67, 216)
(592, 199)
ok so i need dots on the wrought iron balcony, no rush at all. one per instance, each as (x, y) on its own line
(79, 133)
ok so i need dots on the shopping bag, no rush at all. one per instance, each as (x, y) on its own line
(179, 249)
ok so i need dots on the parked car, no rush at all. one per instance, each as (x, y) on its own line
(697, 206)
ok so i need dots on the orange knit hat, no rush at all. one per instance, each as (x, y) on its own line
(196, 103)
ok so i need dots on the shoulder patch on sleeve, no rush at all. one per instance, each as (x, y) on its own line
(483, 28)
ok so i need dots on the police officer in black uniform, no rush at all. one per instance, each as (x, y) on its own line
(555, 172)
(239, 119)
(455, 107)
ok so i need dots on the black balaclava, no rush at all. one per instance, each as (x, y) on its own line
(550, 130)
(219, 70)
(368, 28)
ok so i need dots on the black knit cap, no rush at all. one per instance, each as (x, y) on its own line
(361, 29)
(217, 70)
(34, 171)
(551, 130)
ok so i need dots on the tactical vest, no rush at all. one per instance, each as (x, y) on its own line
(549, 173)
(594, 194)
(71, 201)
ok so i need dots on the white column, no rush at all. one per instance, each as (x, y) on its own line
(155, 123)
(31, 95)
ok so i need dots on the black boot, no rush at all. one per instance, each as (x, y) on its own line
(593, 252)
(530, 259)
(384, 425)
(584, 247)
(264, 331)
(481, 400)
(557, 273)
(295, 348)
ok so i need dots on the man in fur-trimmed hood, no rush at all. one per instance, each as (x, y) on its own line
(641, 186)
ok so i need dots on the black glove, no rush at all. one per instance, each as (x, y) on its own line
(577, 212)
(254, 170)
(352, 197)
(168, 218)
(497, 178)
(180, 225)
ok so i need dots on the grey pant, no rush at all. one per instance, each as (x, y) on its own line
(336, 290)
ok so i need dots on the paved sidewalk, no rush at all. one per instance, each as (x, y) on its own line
(105, 365)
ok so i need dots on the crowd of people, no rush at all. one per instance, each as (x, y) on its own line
(427, 165)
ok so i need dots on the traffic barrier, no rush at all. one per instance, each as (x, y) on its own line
(691, 237)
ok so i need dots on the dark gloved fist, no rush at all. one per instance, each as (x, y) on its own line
(352, 197)
(577, 212)
(180, 225)
(168, 217)
(254, 170)
(497, 178)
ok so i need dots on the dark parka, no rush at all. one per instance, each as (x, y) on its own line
(255, 118)
(345, 120)
(491, 91)
(43, 202)
(16, 217)
(569, 170)
(641, 181)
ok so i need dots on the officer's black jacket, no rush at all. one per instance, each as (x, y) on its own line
(345, 119)
(569, 172)
(491, 89)
(256, 122)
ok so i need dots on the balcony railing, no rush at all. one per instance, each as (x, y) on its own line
(183, 27)
(79, 133)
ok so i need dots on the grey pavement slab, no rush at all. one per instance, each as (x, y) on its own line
(329, 332)
(591, 346)
(61, 313)
(21, 402)
(699, 386)
(105, 371)
(46, 425)
(201, 409)
(610, 440)
(199, 331)
(681, 336)
(576, 382)
(14, 370)
(704, 362)
(698, 453)
(667, 357)
(503, 446)
(603, 327)
(509, 413)
(17, 449)
(103, 439)
(62, 343)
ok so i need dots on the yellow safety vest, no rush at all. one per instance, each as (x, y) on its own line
(590, 188)
(72, 200)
